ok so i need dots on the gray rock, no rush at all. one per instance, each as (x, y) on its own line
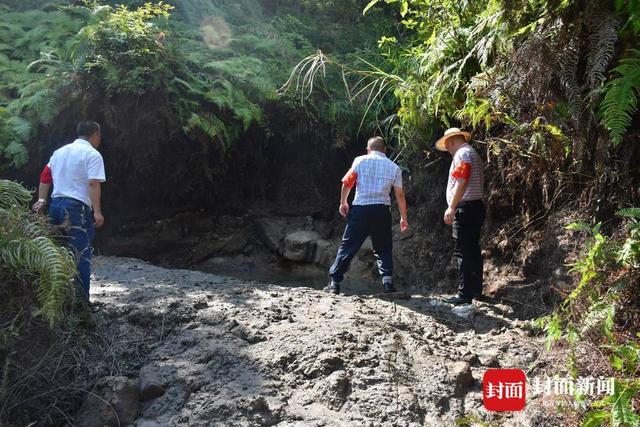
(200, 305)
(466, 311)
(246, 334)
(503, 309)
(300, 246)
(436, 303)
(492, 324)
(489, 358)
(272, 230)
(325, 252)
(114, 401)
(460, 374)
(154, 379)
(323, 365)
(333, 390)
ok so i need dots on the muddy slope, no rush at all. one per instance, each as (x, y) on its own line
(203, 349)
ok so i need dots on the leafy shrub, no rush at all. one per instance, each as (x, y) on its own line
(124, 49)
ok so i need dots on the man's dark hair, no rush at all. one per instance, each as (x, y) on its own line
(376, 143)
(87, 128)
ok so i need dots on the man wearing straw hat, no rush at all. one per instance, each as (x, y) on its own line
(465, 212)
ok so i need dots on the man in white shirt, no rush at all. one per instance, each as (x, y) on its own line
(76, 171)
(374, 176)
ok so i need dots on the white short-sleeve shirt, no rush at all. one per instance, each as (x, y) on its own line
(72, 166)
(377, 175)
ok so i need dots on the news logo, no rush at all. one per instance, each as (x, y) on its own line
(504, 390)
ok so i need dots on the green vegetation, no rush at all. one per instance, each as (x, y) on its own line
(602, 312)
(28, 252)
(467, 60)
(213, 66)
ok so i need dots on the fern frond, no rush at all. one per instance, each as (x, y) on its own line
(20, 127)
(599, 318)
(569, 79)
(13, 194)
(601, 46)
(25, 248)
(621, 98)
(629, 213)
(206, 122)
(54, 267)
(16, 153)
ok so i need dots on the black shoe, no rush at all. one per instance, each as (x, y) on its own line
(387, 288)
(480, 297)
(332, 288)
(458, 300)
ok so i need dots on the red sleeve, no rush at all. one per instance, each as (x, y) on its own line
(45, 176)
(350, 178)
(462, 171)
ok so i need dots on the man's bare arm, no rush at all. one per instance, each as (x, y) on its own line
(95, 193)
(402, 207)
(460, 187)
(43, 191)
(43, 194)
(344, 197)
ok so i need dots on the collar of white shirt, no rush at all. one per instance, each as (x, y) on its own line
(83, 141)
(377, 153)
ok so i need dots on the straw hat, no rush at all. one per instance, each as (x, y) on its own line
(441, 144)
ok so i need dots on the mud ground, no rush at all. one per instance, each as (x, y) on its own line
(202, 349)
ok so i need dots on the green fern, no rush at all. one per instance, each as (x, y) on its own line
(629, 253)
(28, 252)
(621, 99)
(211, 125)
(14, 131)
(629, 213)
(13, 195)
(602, 42)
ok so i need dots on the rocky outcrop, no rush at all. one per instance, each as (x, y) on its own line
(273, 230)
(298, 239)
(114, 401)
(300, 246)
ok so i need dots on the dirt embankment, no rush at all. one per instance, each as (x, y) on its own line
(201, 349)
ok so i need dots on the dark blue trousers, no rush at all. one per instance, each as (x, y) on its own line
(466, 232)
(78, 226)
(364, 221)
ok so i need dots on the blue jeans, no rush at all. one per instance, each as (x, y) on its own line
(364, 221)
(77, 221)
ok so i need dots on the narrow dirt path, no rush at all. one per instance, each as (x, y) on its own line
(205, 349)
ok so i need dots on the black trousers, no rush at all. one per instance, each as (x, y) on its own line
(467, 225)
(364, 221)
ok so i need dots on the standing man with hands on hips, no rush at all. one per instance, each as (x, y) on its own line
(374, 176)
(76, 171)
(465, 212)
